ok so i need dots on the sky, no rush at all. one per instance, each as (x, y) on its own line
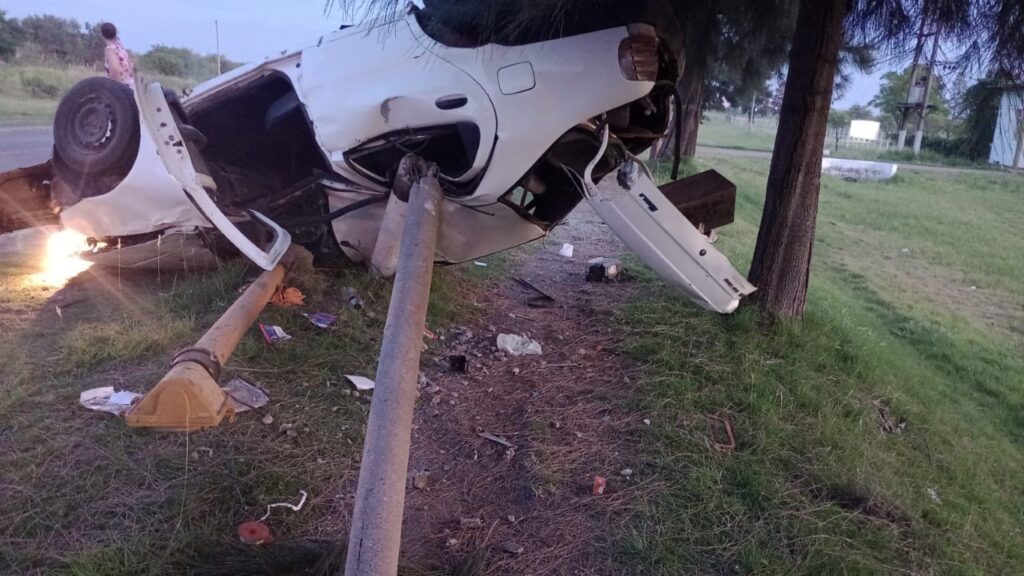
(250, 30)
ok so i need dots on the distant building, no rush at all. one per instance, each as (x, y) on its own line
(864, 130)
(1009, 124)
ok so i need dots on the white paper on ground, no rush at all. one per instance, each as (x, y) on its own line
(104, 399)
(243, 396)
(517, 345)
(360, 382)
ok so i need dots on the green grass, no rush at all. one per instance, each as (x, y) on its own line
(723, 131)
(84, 495)
(29, 94)
(814, 486)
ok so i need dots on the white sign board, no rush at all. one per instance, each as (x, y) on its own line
(864, 130)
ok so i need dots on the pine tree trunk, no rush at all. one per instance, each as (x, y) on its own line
(691, 88)
(691, 91)
(782, 257)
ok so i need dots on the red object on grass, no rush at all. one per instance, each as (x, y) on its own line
(599, 484)
(255, 533)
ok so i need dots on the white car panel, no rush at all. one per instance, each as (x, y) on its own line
(148, 199)
(361, 84)
(576, 78)
(633, 207)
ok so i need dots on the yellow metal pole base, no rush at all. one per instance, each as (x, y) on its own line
(186, 399)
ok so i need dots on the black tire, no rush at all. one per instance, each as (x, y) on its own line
(96, 128)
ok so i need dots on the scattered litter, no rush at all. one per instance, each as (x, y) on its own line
(480, 264)
(511, 518)
(599, 485)
(471, 523)
(321, 319)
(59, 313)
(517, 345)
(106, 400)
(458, 363)
(647, 421)
(603, 269)
(429, 335)
(255, 533)
(268, 419)
(934, 495)
(420, 480)
(352, 299)
(360, 382)
(452, 542)
(273, 333)
(905, 250)
(717, 446)
(243, 396)
(565, 250)
(512, 547)
(497, 439)
(627, 472)
(288, 297)
(886, 421)
(540, 299)
(510, 453)
(293, 507)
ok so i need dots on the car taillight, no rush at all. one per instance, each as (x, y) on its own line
(638, 54)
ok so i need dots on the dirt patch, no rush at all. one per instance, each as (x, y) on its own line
(566, 414)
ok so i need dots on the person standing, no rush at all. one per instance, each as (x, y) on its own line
(116, 60)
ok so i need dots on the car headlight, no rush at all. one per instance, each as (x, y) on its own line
(638, 53)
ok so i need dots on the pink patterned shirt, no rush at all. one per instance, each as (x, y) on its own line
(125, 72)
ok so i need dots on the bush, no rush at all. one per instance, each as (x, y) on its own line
(39, 86)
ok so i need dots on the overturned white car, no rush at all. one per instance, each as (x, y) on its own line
(304, 146)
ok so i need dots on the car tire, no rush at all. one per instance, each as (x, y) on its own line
(96, 127)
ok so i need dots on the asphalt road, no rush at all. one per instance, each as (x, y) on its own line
(24, 146)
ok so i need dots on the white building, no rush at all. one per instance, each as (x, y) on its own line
(1009, 124)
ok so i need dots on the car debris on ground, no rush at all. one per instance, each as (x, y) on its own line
(517, 345)
(273, 334)
(603, 269)
(320, 319)
(244, 396)
(105, 399)
(287, 297)
(362, 383)
(540, 299)
(566, 250)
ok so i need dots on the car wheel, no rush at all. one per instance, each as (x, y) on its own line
(96, 128)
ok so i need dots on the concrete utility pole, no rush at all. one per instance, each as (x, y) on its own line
(216, 30)
(918, 49)
(374, 541)
(1018, 156)
(922, 111)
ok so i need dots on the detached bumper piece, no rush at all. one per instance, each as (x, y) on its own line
(657, 231)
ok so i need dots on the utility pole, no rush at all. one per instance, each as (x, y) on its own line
(1019, 154)
(216, 30)
(918, 49)
(922, 111)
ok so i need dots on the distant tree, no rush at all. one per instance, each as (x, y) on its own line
(11, 36)
(60, 39)
(859, 112)
(838, 120)
(980, 109)
(181, 62)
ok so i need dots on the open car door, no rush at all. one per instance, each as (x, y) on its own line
(185, 164)
(640, 214)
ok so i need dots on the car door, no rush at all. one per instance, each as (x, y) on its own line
(184, 163)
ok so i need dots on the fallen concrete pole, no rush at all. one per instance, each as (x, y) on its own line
(380, 497)
(188, 397)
